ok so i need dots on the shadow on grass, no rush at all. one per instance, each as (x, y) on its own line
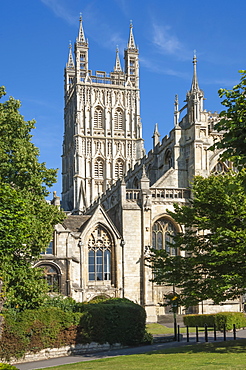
(230, 346)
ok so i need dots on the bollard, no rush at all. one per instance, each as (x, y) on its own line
(224, 330)
(234, 331)
(178, 334)
(197, 339)
(206, 332)
(187, 334)
(175, 328)
(215, 338)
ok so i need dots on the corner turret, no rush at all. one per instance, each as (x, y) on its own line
(81, 53)
(131, 60)
(194, 97)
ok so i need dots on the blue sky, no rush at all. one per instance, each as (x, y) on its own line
(35, 35)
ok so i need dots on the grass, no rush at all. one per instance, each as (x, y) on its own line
(210, 356)
(158, 329)
(161, 329)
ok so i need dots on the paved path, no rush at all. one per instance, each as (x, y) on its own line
(125, 351)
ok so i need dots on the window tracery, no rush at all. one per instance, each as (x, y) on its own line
(99, 255)
(220, 168)
(51, 275)
(162, 236)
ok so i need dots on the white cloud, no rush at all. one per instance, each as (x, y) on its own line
(61, 10)
(166, 43)
(157, 68)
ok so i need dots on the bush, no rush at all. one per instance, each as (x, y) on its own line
(67, 304)
(113, 321)
(148, 338)
(7, 367)
(199, 320)
(33, 330)
(219, 319)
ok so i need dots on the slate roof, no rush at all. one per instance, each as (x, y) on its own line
(75, 222)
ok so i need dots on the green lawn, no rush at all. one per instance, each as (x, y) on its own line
(209, 356)
(161, 329)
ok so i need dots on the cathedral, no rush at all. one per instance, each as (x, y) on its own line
(115, 196)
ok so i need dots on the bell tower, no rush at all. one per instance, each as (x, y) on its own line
(103, 131)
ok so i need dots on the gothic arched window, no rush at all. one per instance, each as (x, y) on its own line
(119, 169)
(168, 158)
(118, 119)
(219, 168)
(99, 255)
(162, 236)
(98, 117)
(51, 275)
(135, 183)
(98, 168)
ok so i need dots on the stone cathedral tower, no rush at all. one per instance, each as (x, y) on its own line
(103, 132)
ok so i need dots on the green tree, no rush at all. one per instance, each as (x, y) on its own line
(232, 124)
(26, 219)
(211, 250)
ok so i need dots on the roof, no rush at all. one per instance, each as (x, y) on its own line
(75, 222)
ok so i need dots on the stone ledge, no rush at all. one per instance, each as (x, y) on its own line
(77, 349)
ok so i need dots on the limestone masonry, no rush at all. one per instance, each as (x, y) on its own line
(116, 197)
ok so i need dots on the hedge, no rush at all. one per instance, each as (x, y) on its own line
(33, 330)
(219, 319)
(111, 321)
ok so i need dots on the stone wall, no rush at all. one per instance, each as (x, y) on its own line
(78, 349)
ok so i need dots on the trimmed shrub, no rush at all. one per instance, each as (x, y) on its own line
(230, 318)
(199, 320)
(113, 321)
(219, 319)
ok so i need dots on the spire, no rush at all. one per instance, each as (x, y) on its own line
(131, 41)
(117, 67)
(70, 62)
(156, 136)
(176, 111)
(81, 35)
(194, 85)
(194, 97)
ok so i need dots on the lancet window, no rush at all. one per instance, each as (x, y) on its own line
(98, 118)
(118, 119)
(119, 169)
(168, 158)
(98, 168)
